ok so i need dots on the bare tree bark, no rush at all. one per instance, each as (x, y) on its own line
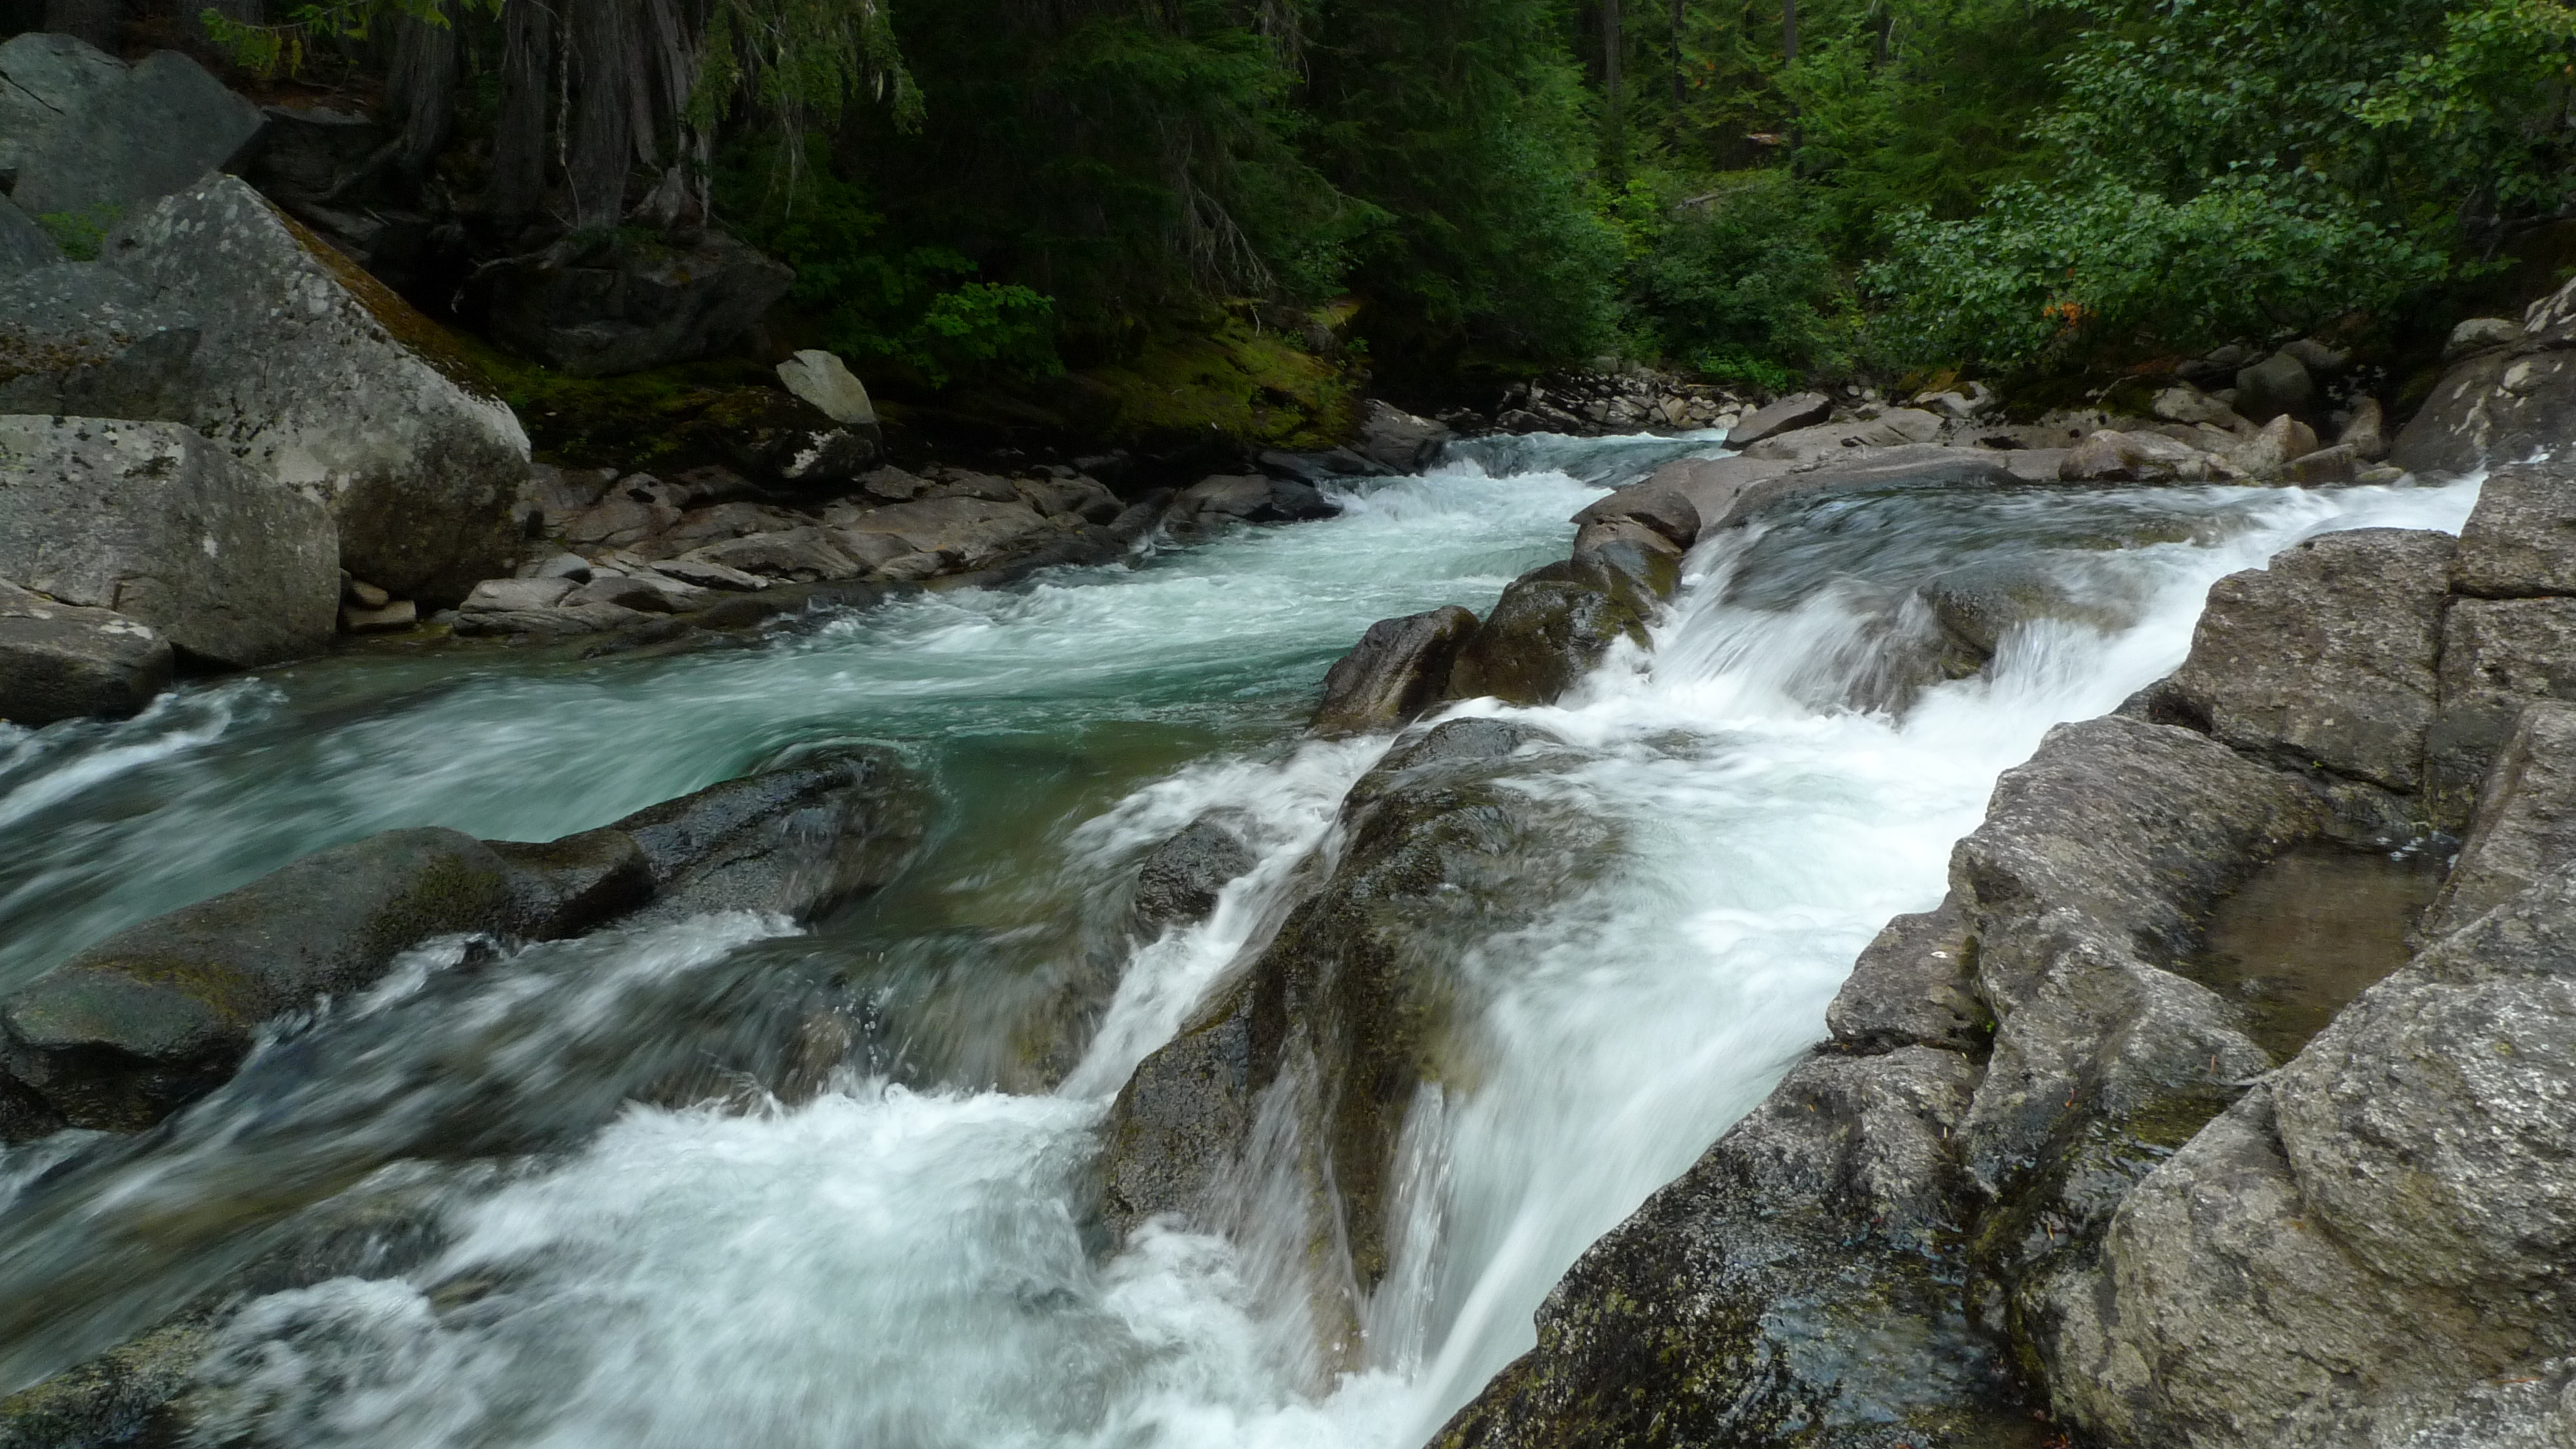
(602, 151)
(1613, 122)
(519, 130)
(420, 92)
(1678, 19)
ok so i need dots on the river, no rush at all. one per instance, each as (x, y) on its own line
(643, 1208)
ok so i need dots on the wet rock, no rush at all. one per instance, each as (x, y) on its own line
(2277, 385)
(1978, 606)
(161, 1013)
(565, 887)
(620, 301)
(311, 371)
(24, 246)
(2380, 1209)
(1249, 498)
(1549, 629)
(2327, 656)
(1641, 566)
(1713, 485)
(2525, 825)
(2520, 540)
(59, 661)
(1330, 465)
(2109, 457)
(1661, 506)
(2498, 655)
(1179, 879)
(154, 522)
(1801, 410)
(1915, 985)
(144, 132)
(1396, 439)
(1789, 1288)
(821, 378)
(1295, 1082)
(123, 1396)
(797, 840)
(1918, 466)
(1820, 445)
(1400, 668)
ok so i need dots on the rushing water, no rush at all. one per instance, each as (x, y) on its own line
(620, 1194)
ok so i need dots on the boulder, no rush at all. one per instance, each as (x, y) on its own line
(2326, 658)
(1549, 629)
(59, 661)
(156, 523)
(1918, 466)
(1074, 497)
(1712, 485)
(821, 378)
(1800, 410)
(24, 246)
(509, 596)
(2324, 467)
(607, 302)
(1659, 505)
(46, 80)
(1820, 446)
(2480, 334)
(2520, 540)
(310, 370)
(805, 555)
(1178, 881)
(1400, 668)
(797, 840)
(2183, 403)
(2367, 431)
(1396, 439)
(564, 887)
(161, 1013)
(1249, 498)
(1340, 1021)
(2277, 385)
(1914, 985)
(2498, 655)
(145, 132)
(2504, 405)
(2525, 825)
(82, 340)
(968, 532)
(2111, 457)
(2269, 451)
(1330, 465)
(1640, 565)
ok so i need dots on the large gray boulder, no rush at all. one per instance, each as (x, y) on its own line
(47, 80)
(1397, 440)
(796, 840)
(59, 661)
(2278, 384)
(2500, 406)
(156, 523)
(1549, 629)
(1799, 410)
(611, 302)
(143, 132)
(1895, 428)
(2497, 656)
(24, 246)
(2520, 540)
(312, 371)
(79, 339)
(1399, 668)
(2525, 826)
(2327, 656)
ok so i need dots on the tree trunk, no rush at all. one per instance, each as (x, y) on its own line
(420, 92)
(1613, 122)
(1789, 32)
(603, 137)
(100, 22)
(519, 130)
(1678, 19)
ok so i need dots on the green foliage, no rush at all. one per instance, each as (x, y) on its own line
(81, 233)
(267, 50)
(2042, 274)
(916, 308)
(1736, 281)
(798, 60)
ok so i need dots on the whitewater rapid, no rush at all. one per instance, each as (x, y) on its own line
(904, 1255)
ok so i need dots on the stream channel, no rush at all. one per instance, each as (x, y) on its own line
(622, 1192)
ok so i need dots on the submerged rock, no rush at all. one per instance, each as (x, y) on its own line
(1179, 879)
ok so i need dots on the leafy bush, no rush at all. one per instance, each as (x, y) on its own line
(1735, 282)
(2041, 274)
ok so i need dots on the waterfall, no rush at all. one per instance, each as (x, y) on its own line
(899, 1251)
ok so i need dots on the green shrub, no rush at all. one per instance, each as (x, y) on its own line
(1734, 282)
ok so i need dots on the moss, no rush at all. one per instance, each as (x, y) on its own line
(440, 348)
(1240, 380)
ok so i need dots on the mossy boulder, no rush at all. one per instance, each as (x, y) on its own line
(1547, 631)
